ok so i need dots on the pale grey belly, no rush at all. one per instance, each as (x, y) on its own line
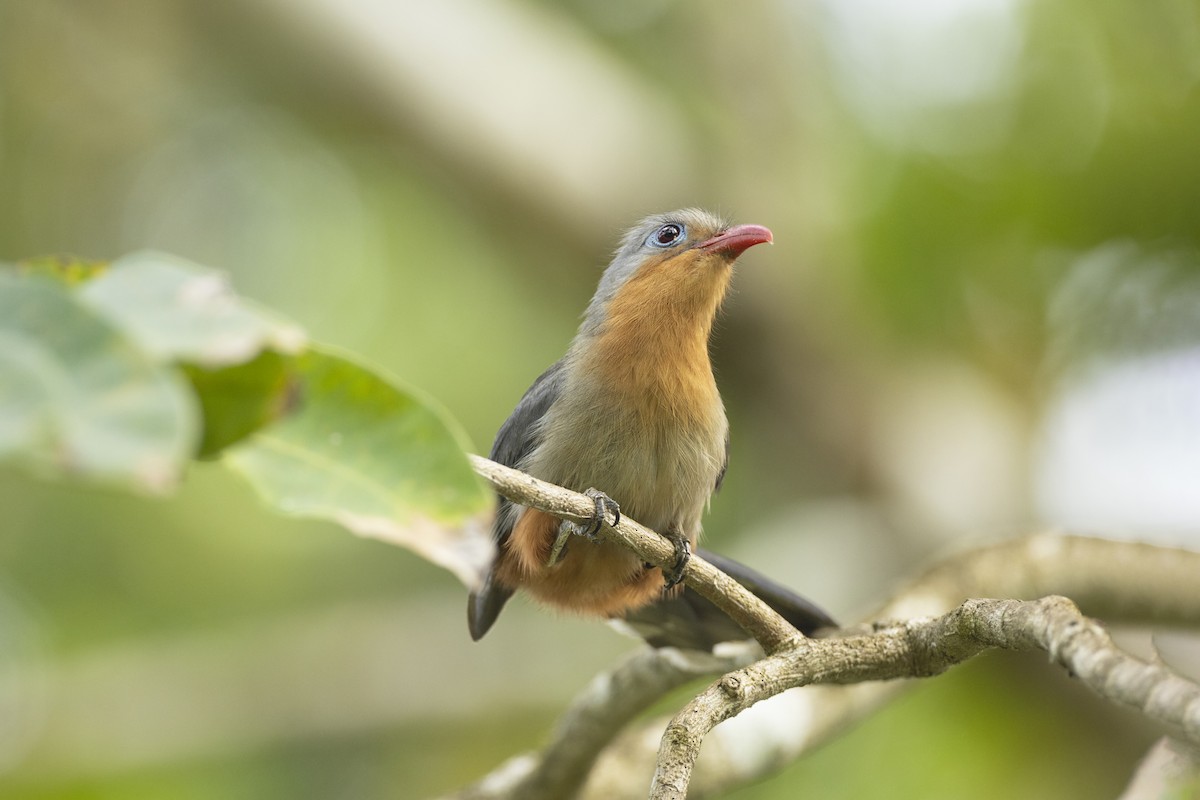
(661, 476)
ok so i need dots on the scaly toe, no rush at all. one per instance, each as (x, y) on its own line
(603, 503)
(683, 554)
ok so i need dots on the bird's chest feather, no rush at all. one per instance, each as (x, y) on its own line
(651, 437)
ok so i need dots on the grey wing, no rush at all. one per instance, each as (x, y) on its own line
(518, 436)
(724, 466)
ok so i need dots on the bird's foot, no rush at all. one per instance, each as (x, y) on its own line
(590, 529)
(603, 503)
(673, 575)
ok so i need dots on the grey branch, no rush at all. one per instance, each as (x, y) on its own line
(1170, 770)
(1119, 581)
(925, 647)
(1122, 582)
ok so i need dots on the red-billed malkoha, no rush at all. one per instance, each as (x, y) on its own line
(631, 414)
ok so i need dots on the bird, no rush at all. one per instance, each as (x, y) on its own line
(632, 416)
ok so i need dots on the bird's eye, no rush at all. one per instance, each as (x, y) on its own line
(667, 235)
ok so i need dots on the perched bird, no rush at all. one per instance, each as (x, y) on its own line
(631, 414)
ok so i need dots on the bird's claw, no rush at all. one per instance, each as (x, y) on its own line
(603, 503)
(590, 529)
(673, 576)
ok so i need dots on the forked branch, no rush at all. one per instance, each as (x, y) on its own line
(925, 647)
(1119, 581)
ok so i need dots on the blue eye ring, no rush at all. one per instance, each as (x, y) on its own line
(668, 235)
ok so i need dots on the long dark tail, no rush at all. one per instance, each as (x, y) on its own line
(485, 605)
(689, 621)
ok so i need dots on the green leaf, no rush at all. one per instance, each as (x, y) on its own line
(77, 398)
(377, 458)
(238, 400)
(180, 311)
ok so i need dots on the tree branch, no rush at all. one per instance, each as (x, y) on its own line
(1118, 580)
(1170, 770)
(921, 648)
(754, 616)
(610, 702)
(1121, 581)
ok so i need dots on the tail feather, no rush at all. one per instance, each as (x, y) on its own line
(691, 622)
(485, 605)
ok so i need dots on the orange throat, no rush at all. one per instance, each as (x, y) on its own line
(653, 344)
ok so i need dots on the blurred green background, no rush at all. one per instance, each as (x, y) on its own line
(979, 317)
